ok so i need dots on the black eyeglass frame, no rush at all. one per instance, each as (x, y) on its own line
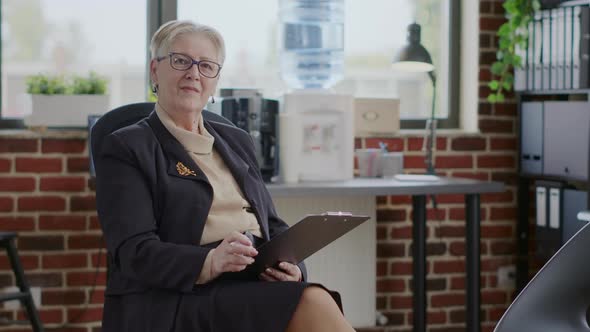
(193, 62)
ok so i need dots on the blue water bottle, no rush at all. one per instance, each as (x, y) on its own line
(312, 43)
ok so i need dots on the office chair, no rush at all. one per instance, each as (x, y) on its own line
(558, 297)
(124, 116)
(127, 115)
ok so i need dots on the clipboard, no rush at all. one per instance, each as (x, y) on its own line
(303, 239)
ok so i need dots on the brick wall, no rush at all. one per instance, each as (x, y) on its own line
(45, 196)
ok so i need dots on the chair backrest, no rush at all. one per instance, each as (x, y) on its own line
(127, 115)
(558, 297)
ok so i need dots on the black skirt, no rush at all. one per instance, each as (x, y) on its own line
(238, 305)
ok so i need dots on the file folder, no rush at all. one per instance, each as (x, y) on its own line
(548, 219)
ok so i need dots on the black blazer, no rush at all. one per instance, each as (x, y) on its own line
(153, 216)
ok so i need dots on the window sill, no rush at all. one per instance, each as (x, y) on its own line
(45, 133)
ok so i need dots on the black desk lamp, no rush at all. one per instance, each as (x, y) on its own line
(414, 58)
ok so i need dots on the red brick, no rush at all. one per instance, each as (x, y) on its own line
(484, 109)
(5, 165)
(454, 162)
(484, 73)
(496, 231)
(358, 143)
(389, 250)
(468, 144)
(457, 316)
(63, 145)
(457, 248)
(457, 283)
(496, 126)
(500, 161)
(17, 224)
(447, 300)
(102, 255)
(415, 143)
(400, 268)
(40, 242)
(391, 286)
(449, 267)
(503, 248)
(436, 215)
(15, 145)
(437, 317)
(503, 144)
(503, 213)
(473, 176)
(491, 23)
(381, 269)
(382, 232)
(450, 198)
(450, 231)
(484, 90)
(44, 279)
(63, 297)
(83, 203)
(505, 109)
(41, 203)
(400, 200)
(85, 242)
(485, 7)
(401, 232)
(48, 316)
(38, 165)
(64, 261)
(29, 262)
(391, 215)
(62, 222)
(66, 184)
(93, 223)
(20, 184)
(97, 296)
(492, 264)
(6, 204)
(414, 162)
(85, 279)
(493, 297)
(505, 197)
(400, 302)
(495, 313)
(78, 164)
(85, 315)
(459, 214)
(393, 144)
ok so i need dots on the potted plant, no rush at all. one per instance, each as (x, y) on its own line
(55, 101)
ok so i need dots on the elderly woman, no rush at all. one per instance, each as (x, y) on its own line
(175, 193)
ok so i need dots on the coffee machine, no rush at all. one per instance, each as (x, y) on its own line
(256, 115)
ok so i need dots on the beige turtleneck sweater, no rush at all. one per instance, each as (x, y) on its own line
(229, 208)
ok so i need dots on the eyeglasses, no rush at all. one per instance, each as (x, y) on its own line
(183, 62)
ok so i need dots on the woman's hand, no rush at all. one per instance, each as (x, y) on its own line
(287, 272)
(233, 254)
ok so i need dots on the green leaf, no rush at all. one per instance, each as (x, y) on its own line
(492, 98)
(500, 97)
(493, 84)
(497, 68)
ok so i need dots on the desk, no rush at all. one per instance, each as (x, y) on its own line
(419, 191)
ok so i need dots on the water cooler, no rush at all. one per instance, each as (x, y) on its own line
(316, 128)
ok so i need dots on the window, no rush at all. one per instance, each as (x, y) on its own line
(109, 37)
(67, 37)
(374, 32)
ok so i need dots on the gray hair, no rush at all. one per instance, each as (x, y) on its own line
(169, 31)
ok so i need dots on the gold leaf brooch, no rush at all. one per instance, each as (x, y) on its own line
(183, 170)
